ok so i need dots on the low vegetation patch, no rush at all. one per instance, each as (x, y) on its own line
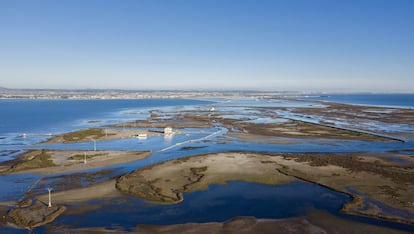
(35, 215)
(42, 159)
(83, 134)
(82, 156)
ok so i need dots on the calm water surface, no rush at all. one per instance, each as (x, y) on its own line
(43, 116)
(391, 100)
(217, 204)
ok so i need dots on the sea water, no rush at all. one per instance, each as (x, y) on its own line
(26, 122)
(386, 100)
(44, 116)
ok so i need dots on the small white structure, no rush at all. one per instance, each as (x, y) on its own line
(212, 109)
(141, 136)
(168, 131)
(94, 145)
(50, 197)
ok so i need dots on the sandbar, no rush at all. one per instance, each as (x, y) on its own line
(94, 134)
(59, 161)
(165, 182)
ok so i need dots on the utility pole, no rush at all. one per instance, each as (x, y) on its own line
(84, 158)
(50, 197)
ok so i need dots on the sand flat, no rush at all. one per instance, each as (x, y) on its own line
(165, 182)
(105, 189)
(69, 160)
(96, 134)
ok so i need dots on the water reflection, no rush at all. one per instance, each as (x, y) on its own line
(218, 203)
(168, 138)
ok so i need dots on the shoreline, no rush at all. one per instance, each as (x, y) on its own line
(314, 222)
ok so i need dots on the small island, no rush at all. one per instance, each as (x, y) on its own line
(366, 178)
(46, 161)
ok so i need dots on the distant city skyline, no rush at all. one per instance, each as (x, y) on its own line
(320, 45)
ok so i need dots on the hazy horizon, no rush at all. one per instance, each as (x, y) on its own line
(299, 45)
(305, 91)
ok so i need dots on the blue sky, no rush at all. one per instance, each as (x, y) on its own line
(309, 45)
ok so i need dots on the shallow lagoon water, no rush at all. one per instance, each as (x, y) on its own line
(254, 102)
(13, 187)
(172, 148)
(218, 203)
(386, 100)
(266, 120)
(37, 118)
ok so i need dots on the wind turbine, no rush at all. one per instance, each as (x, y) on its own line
(50, 197)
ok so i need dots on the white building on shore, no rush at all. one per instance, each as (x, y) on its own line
(168, 131)
(141, 136)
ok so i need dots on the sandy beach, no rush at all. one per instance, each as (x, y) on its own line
(100, 190)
